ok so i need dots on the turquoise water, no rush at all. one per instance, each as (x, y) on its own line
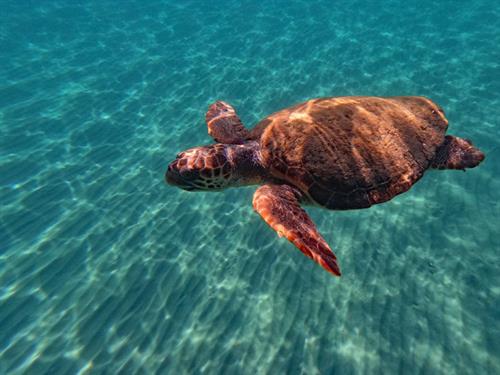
(105, 269)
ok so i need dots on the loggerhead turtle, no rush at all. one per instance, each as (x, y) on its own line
(338, 153)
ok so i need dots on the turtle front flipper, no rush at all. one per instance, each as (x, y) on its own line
(279, 206)
(224, 125)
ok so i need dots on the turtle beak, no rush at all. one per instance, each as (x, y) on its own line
(173, 177)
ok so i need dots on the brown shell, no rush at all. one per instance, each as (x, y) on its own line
(352, 152)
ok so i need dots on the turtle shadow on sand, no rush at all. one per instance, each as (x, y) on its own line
(337, 153)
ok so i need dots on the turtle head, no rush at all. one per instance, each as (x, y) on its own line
(215, 167)
(200, 168)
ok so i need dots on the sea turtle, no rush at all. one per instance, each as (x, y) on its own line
(338, 153)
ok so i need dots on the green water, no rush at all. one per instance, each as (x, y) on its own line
(105, 269)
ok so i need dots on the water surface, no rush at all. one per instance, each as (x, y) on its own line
(103, 268)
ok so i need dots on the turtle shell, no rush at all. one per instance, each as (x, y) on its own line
(352, 152)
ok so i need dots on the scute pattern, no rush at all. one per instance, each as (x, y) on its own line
(352, 152)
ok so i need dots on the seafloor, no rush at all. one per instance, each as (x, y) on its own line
(105, 269)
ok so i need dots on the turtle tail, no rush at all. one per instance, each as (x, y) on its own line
(457, 153)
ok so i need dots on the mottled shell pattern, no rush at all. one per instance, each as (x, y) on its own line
(352, 152)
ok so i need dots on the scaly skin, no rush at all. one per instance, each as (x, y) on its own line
(217, 167)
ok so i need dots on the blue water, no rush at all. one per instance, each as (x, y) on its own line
(105, 269)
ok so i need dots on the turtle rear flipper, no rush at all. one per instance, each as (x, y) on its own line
(280, 208)
(457, 153)
(224, 125)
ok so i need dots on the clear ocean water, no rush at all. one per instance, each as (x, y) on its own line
(105, 269)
